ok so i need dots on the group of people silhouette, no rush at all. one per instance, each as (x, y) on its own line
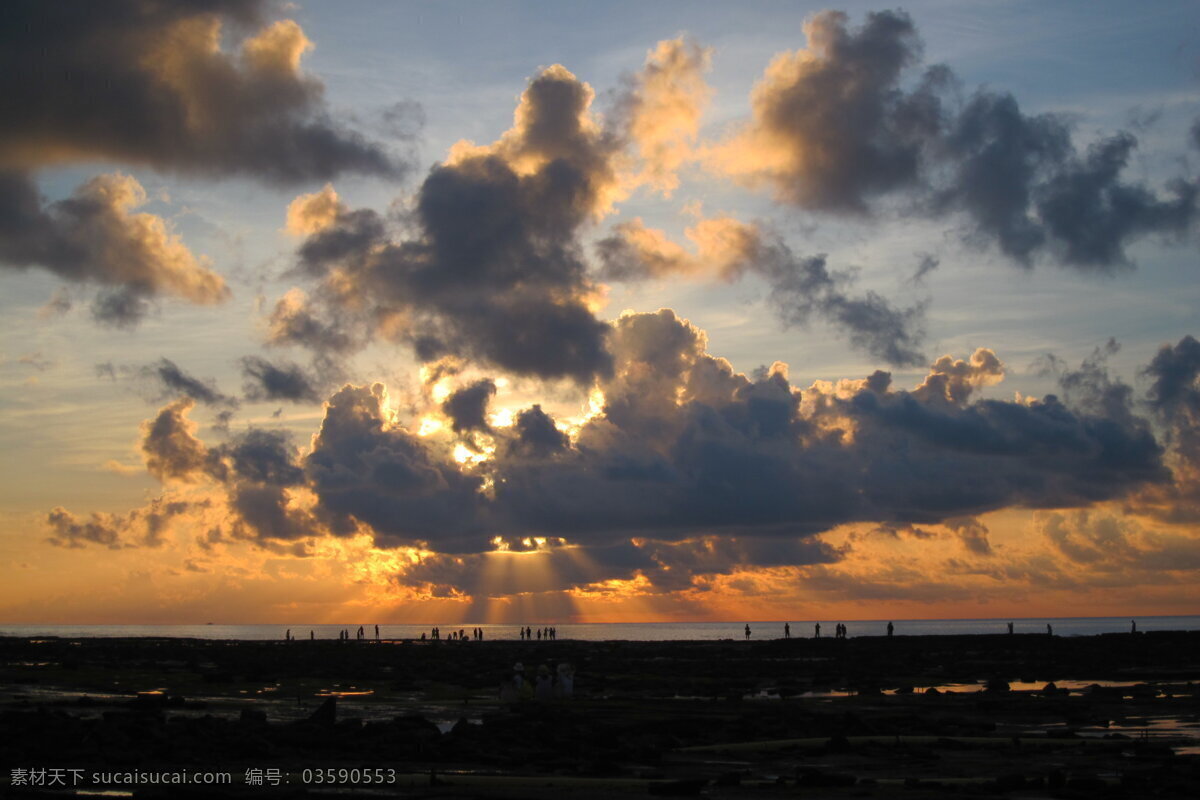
(460, 635)
(360, 635)
(527, 633)
(839, 628)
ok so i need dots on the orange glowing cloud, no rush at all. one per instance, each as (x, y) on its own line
(663, 109)
(312, 213)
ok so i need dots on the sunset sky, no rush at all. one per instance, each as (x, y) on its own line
(466, 312)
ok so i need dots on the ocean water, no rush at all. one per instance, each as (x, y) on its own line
(641, 631)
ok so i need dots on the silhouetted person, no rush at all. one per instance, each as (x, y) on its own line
(1010, 627)
(1049, 630)
(787, 630)
(747, 631)
(377, 633)
(1133, 626)
(312, 636)
(287, 637)
(891, 629)
(817, 627)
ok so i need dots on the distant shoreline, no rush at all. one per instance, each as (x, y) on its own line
(868, 638)
(618, 631)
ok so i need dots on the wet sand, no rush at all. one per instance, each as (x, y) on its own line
(912, 717)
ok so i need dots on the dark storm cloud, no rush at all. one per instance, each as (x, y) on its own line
(262, 466)
(747, 459)
(997, 156)
(494, 272)
(1090, 386)
(265, 457)
(170, 446)
(840, 120)
(689, 469)
(693, 470)
(972, 533)
(801, 288)
(1174, 398)
(93, 237)
(120, 308)
(265, 380)
(364, 470)
(1024, 185)
(536, 435)
(1090, 214)
(175, 382)
(147, 82)
(295, 321)
(255, 470)
(835, 129)
(467, 407)
(1175, 370)
(675, 564)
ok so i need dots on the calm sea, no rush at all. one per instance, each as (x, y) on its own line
(642, 631)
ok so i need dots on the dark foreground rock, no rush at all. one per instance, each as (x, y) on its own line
(1012, 716)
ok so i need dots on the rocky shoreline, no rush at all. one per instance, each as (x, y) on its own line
(907, 716)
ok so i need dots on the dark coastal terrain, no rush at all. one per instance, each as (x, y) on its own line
(1016, 716)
